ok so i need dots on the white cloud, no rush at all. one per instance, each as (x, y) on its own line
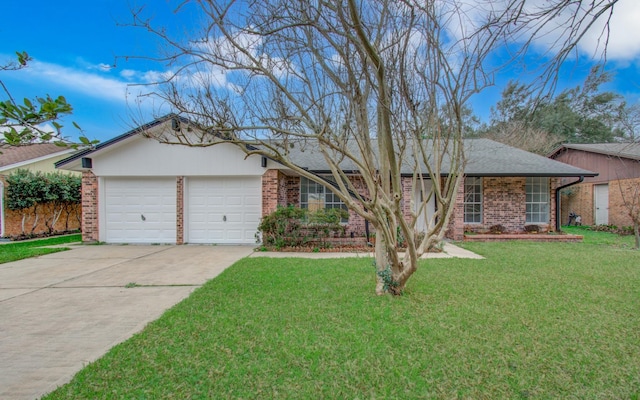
(622, 34)
(624, 43)
(91, 81)
(88, 83)
(128, 73)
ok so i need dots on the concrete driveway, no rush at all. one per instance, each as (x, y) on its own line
(61, 311)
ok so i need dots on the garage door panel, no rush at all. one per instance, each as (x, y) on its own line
(140, 210)
(223, 209)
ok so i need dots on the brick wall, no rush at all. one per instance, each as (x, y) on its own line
(578, 199)
(90, 228)
(180, 210)
(504, 203)
(68, 220)
(270, 191)
(357, 224)
(456, 227)
(620, 192)
(292, 187)
(553, 183)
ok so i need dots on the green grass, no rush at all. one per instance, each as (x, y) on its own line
(532, 320)
(601, 238)
(32, 248)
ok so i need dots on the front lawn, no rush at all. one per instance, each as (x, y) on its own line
(32, 248)
(532, 320)
(601, 238)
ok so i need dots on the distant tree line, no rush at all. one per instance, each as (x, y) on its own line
(582, 114)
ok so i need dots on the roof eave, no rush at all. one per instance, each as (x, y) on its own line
(120, 138)
(489, 175)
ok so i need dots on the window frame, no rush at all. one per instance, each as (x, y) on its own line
(324, 197)
(477, 201)
(537, 200)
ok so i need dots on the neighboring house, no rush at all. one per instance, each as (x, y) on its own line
(33, 157)
(137, 190)
(598, 200)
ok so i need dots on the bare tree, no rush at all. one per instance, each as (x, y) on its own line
(376, 85)
(630, 194)
(629, 122)
(519, 134)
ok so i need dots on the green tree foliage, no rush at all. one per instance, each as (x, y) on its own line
(583, 114)
(29, 192)
(21, 121)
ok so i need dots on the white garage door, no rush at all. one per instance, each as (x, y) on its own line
(223, 210)
(140, 210)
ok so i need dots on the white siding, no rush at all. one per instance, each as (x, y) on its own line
(147, 157)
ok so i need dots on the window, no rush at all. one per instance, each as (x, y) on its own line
(473, 200)
(315, 196)
(537, 192)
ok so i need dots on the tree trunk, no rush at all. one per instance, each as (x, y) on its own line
(391, 276)
(383, 271)
(636, 231)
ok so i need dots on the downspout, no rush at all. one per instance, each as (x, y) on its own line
(558, 189)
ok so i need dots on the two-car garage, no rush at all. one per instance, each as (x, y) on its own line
(137, 189)
(223, 210)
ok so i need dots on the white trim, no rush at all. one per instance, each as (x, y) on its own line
(35, 160)
(481, 203)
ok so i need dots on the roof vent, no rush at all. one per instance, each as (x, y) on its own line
(175, 124)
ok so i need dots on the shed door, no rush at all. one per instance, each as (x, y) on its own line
(223, 210)
(140, 210)
(601, 195)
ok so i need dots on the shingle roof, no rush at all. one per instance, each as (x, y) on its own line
(484, 158)
(625, 150)
(489, 158)
(18, 154)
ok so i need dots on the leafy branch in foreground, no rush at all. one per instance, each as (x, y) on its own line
(22, 122)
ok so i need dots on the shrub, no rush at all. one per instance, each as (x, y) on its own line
(532, 228)
(495, 229)
(293, 227)
(622, 231)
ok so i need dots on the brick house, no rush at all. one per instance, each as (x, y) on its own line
(36, 157)
(599, 199)
(138, 190)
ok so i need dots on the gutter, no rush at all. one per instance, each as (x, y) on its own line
(558, 189)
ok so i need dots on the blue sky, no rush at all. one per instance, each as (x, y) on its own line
(79, 50)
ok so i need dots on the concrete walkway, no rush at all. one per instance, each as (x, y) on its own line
(448, 251)
(61, 311)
